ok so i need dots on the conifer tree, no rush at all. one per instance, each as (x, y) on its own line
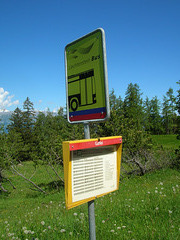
(169, 112)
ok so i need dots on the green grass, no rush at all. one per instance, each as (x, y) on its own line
(144, 207)
(166, 141)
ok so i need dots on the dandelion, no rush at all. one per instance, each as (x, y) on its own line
(81, 215)
(43, 223)
(63, 230)
(26, 231)
(10, 234)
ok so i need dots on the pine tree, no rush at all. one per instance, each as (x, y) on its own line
(16, 121)
(133, 106)
(135, 137)
(155, 118)
(147, 115)
(169, 112)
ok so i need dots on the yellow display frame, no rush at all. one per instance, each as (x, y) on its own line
(69, 146)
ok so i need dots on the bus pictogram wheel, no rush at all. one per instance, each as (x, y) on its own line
(74, 104)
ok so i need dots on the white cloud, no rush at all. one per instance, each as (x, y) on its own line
(6, 100)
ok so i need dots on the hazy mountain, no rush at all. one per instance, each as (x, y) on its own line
(4, 118)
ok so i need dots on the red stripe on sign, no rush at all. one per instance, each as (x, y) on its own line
(87, 117)
(92, 144)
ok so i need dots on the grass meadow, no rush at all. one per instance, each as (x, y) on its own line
(146, 207)
(166, 141)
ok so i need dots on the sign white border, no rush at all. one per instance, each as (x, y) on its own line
(105, 78)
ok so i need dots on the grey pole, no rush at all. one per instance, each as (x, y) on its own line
(91, 214)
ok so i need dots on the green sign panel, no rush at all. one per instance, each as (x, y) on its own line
(86, 78)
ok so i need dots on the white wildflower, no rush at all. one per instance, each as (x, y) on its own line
(63, 230)
(157, 208)
(42, 222)
(161, 183)
(112, 231)
(103, 221)
(170, 211)
(75, 214)
(26, 231)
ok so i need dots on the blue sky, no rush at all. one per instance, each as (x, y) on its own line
(142, 43)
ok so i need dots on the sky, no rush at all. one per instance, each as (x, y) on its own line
(142, 45)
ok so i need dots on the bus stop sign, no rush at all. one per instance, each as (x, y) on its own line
(87, 93)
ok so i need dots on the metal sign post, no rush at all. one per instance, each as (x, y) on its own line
(91, 213)
(87, 98)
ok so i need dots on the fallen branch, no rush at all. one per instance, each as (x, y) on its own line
(2, 188)
(55, 172)
(7, 179)
(28, 180)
